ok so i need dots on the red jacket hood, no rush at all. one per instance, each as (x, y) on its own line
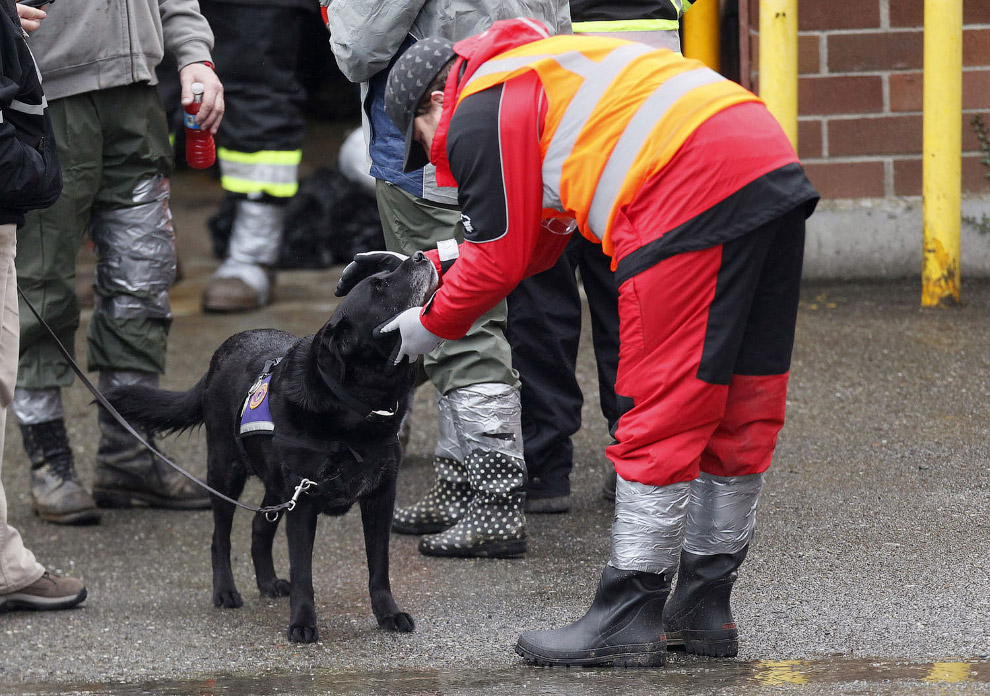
(471, 52)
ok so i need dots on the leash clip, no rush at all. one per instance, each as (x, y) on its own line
(303, 486)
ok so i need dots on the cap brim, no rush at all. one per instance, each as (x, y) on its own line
(415, 156)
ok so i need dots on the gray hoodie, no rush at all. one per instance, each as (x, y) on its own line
(86, 45)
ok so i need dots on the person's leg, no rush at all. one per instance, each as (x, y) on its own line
(475, 375)
(131, 228)
(46, 265)
(259, 144)
(724, 498)
(544, 331)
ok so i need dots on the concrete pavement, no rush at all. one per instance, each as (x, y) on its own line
(869, 572)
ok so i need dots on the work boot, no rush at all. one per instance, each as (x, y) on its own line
(698, 618)
(623, 627)
(232, 293)
(494, 525)
(47, 593)
(56, 492)
(126, 472)
(443, 505)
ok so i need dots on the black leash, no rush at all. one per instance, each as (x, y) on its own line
(271, 512)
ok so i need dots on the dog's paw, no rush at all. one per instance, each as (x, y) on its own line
(274, 589)
(227, 599)
(399, 622)
(302, 633)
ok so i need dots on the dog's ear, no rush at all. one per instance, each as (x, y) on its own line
(341, 343)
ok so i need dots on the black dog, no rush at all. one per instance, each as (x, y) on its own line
(336, 401)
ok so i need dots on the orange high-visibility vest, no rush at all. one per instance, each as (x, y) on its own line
(617, 113)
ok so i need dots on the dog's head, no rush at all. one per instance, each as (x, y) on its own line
(373, 301)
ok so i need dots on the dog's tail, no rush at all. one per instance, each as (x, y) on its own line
(159, 410)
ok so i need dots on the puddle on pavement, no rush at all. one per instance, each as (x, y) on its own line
(681, 676)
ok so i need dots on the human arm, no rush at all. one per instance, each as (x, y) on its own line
(189, 39)
(365, 36)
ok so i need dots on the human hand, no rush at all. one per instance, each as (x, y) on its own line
(211, 112)
(415, 339)
(365, 264)
(30, 16)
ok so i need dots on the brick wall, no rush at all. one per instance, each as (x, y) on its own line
(860, 94)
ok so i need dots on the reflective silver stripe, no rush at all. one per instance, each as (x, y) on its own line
(635, 134)
(598, 78)
(260, 172)
(34, 109)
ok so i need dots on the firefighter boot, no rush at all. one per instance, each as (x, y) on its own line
(56, 493)
(126, 472)
(698, 618)
(442, 506)
(623, 627)
(494, 525)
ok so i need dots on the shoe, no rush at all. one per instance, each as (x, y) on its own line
(494, 525)
(127, 473)
(623, 627)
(552, 505)
(57, 495)
(698, 618)
(46, 593)
(442, 506)
(231, 294)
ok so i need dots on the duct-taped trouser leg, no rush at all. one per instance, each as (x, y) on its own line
(486, 420)
(259, 142)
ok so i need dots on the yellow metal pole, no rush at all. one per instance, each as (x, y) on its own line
(701, 28)
(778, 62)
(942, 152)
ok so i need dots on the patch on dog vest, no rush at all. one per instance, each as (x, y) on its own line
(256, 414)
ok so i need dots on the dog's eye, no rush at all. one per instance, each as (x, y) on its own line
(378, 283)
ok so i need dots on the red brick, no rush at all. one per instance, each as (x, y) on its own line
(849, 94)
(976, 12)
(847, 179)
(976, 47)
(908, 176)
(874, 52)
(911, 13)
(839, 14)
(906, 90)
(874, 136)
(809, 54)
(809, 138)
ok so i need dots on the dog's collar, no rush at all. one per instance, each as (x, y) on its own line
(354, 403)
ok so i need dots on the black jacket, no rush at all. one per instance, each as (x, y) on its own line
(608, 10)
(30, 177)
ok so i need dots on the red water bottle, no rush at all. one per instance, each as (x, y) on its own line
(201, 152)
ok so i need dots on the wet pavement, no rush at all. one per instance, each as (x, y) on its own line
(869, 572)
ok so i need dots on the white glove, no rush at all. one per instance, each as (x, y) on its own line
(416, 339)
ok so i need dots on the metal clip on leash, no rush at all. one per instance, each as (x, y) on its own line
(271, 514)
(303, 486)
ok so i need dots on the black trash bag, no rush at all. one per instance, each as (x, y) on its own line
(328, 221)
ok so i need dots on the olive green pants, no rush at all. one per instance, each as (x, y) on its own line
(483, 355)
(115, 157)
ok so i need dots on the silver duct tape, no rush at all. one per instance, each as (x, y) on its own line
(136, 251)
(447, 443)
(722, 513)
(648, 527)
(33, 406)
(256, 237)
(487, 417)
(126, 378)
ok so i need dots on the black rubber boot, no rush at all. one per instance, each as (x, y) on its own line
(623, 627)
(698, 618)
(56, 492)
(494, 525)
(442, 506)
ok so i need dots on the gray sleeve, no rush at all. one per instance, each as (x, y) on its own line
(188, 37)
(365, 35)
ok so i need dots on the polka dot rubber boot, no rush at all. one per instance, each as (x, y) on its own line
(442, 506)
(494, 526)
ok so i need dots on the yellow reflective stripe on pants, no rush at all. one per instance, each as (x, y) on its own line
(275, 172)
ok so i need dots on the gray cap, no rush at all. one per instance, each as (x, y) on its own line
(407, 83)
